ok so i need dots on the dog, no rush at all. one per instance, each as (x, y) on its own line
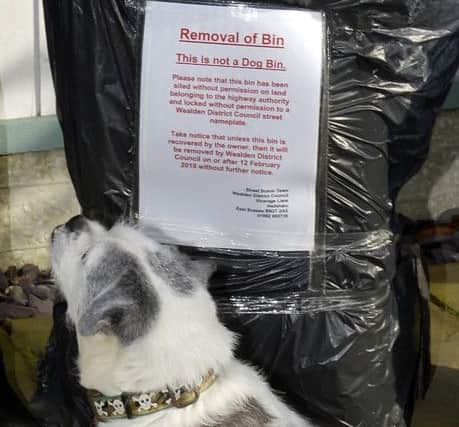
(152, 351)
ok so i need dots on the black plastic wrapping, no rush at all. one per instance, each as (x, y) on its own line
(338, 329)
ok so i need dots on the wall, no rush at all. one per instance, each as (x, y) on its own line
(35, 189)
(25, 80)
(435, 189)
(35, 196)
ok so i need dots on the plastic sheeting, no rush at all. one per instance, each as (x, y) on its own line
(332, 329)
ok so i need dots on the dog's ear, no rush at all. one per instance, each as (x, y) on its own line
(179, 271)
(203, 269)
(151, 231)
(120, 304)
(200, 268)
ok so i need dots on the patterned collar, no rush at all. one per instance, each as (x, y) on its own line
(131, 405)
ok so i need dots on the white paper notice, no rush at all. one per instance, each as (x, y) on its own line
(230, 106)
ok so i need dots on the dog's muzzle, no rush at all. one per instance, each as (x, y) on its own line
(76, 224)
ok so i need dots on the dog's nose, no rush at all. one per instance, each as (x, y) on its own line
(77, 223)
(55, 231)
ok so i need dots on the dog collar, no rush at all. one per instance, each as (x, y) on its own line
(131, 405)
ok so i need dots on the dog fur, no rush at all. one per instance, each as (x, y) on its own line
(144, 319)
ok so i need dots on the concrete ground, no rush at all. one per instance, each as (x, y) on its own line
(441, 406)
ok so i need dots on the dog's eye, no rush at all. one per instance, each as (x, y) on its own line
(84, 256)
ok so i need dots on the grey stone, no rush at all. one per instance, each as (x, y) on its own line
(41, 306)
(17, 295)
(3, 282)
(12, 275)
(30, 271)
(43, 292)
(25, 281)
(14, 311)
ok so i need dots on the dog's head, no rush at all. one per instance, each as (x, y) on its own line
(117, 281)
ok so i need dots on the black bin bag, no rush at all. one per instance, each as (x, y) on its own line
(336, 329)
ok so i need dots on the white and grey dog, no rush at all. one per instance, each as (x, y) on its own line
(150, 342)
